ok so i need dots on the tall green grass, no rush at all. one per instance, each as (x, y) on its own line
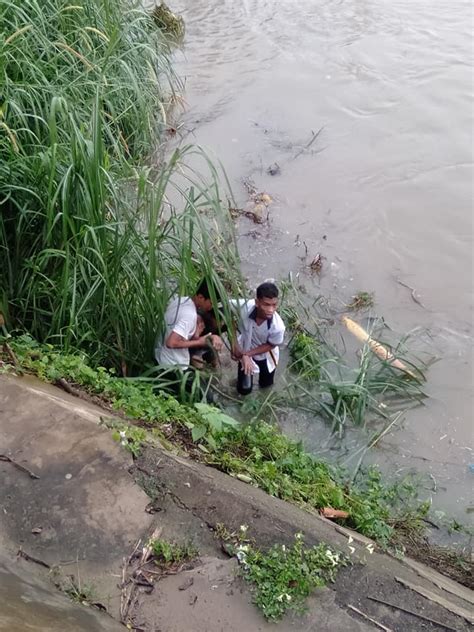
(92, 243)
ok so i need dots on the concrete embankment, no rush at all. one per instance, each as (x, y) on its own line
(90, 504)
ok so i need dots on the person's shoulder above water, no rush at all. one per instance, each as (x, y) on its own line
(177, 302)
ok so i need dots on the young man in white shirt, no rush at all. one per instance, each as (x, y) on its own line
(182, 334)
(261, 330)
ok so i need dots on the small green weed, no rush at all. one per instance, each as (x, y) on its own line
(132, 438)
(80, 593)
(169, 554)
(283, 577)
(211, 420)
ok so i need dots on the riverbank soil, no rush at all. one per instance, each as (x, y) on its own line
(78, 506)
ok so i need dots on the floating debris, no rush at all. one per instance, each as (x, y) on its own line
(317, 263)
(168, 22)
(274, 169)
(361, 300)
(257, 207)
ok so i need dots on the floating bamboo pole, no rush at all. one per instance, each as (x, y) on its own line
(376, 347)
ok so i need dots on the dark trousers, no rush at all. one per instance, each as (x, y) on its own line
(265, 378)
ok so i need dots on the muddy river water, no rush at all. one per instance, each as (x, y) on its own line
(385, 191)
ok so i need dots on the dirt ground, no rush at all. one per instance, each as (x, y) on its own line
(92, 504)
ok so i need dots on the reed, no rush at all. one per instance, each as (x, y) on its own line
(93, 243)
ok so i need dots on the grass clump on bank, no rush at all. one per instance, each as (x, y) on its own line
(284, 576)
(91, 242)
(168, 555)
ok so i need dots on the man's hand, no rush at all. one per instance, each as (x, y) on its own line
(237, 352)
(216, 342)
(247, 365)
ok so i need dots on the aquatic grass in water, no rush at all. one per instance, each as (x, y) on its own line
(328, 385)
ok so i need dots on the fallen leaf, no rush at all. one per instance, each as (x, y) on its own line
(329, 512)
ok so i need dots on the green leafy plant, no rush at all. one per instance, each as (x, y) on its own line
(284, 576)
(211, 420)
(132, 438)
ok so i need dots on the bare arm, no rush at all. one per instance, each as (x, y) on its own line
(260, 349)
(175, 341)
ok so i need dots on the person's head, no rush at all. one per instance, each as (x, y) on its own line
(266, 301)
(200, 327)
(203, 297)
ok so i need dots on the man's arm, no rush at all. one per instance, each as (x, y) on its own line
(175, 341)
(260, 349)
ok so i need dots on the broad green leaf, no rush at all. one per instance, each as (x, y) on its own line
(198, 432)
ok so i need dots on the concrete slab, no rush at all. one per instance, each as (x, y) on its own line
(85, 513)
(219, 601)
(84, 508)
(29, 605)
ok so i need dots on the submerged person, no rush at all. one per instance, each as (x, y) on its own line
(183, 333)
(261, 330)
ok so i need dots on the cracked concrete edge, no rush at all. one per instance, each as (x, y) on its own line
(213, 497)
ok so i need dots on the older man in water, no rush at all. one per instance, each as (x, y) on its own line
(183, 333)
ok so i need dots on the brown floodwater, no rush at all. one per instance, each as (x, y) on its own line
(384, 193)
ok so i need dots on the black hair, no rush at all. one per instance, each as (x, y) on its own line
(204, 290)
(267, 290)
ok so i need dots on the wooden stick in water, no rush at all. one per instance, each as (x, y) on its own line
(376, 347)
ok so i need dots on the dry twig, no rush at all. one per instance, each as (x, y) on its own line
(415, 614)
(22, 468)
(366, 616)
(413, 293)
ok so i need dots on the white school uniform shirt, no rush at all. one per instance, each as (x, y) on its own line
(181, 317)
(252, 335)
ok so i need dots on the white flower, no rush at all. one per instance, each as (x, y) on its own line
(370, 548)
(122, 434)
(243, 547)
(352, 550)
(243, 528)
(283, 548)
(333, 557)
(284, 596)
(299, 536)
(241, 556)
(350, 540)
